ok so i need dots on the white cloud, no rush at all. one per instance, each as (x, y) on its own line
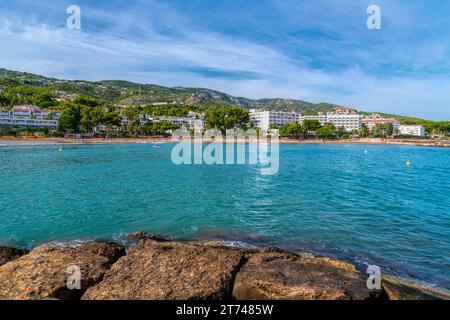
(169, 60)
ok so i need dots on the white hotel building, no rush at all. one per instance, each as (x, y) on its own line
(373, 120)
(184, 122)
(346, 118)
(29, 116)
(321, 117)
(265, 119)
(192, 121)
(411, 130)
(350, 122)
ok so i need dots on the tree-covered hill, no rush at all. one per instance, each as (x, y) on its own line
(109, 98)
(125, 93)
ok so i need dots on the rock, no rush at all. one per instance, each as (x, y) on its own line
(142, 235)
(171, 271)
(279, 250)
(9, 254)
(286, 276)
(219, 244)
(401, 289)
(157, 268)
(307, 255)
(43, 273)
(110, 250)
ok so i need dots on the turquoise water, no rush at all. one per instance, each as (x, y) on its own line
(356, 202)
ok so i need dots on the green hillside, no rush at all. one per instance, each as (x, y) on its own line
(125, 93)
(103, 98)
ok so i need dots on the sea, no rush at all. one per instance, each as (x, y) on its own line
(360, 203)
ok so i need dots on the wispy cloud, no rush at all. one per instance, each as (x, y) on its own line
(313, 50)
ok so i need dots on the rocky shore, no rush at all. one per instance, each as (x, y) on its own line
(157, 268)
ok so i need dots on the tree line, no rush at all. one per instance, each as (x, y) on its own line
(308, 127)
(83, 114)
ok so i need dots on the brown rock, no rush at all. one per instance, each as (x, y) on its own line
(9, 254)
(279, 250)
(170, 271)
(285, 276)
(402, 289)
(42, 274)
(287, 252)
(142, 235)
(219, 244)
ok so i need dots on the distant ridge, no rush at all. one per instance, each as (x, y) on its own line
(125, 92)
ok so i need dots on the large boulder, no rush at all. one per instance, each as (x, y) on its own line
(43, 273)
(278, 275)
(156, 270)
(9, 254)
(402, 289)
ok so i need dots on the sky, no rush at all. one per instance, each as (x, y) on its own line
(312, 50)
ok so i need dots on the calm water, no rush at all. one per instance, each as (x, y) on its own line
(356, 202)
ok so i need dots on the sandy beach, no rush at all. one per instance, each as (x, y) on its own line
(11, 141)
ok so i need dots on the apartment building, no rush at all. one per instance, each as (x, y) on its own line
(185, 122)
(192, 121)
(345, 117)
(340, 117)
(349, 122)
(344, 110)
(265, 119)
(375, 119)
(321, 117)
(63, 96)
(29, 116)
(411, 130)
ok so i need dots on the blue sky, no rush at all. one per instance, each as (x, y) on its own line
(314, 50)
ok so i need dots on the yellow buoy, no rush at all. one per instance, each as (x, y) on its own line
(60, 149)
(408, 164)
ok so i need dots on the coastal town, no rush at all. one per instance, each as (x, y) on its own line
(33, 106)
(344, 118)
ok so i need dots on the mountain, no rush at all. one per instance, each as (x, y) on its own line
(124, 92)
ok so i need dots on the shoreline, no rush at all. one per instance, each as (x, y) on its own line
(217, 271)
(11, 142)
